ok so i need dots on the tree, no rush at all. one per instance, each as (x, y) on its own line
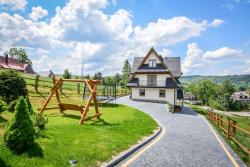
(20, 132)
(87, 76)
(226, 89)
(109, 81)
(205, 90)
(20, 54)
(117, 78)
(98, 76)
(126, 72)
(67, 74)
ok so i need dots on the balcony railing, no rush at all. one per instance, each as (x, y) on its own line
(148, 84)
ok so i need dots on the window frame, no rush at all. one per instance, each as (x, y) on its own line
(161, 96)
(152, 63)
(141, 93)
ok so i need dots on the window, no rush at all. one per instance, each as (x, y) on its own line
(162, 93)
(141, 92)
(152, 80)
(152, 63)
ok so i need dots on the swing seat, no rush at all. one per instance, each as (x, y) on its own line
(72, 107)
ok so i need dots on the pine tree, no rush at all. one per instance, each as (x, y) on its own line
(20, 132)
(126, 72)
(66, 74)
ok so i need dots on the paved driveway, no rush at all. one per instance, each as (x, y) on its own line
(188, 140)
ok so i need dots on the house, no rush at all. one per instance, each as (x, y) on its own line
(189, 96)
(7, 62)
(154, 78)
(242, 95)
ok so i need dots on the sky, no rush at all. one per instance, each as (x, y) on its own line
(212, 37)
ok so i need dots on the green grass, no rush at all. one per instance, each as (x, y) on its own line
(64, 139)
(242, 122)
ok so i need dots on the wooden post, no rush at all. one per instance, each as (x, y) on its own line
(57, 96)
(217, 119)
(78, 88)
(36, 83)
(233, 128)
(221, 118)
(228, 128)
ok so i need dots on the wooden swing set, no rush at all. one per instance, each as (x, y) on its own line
(92, 86)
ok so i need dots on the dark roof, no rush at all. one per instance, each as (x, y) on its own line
(173, 64)
(171, 84)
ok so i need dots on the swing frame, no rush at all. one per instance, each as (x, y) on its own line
(92, 86)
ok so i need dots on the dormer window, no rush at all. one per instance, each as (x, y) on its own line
(152, 63)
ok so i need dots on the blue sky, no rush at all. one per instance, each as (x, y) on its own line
(212, 37)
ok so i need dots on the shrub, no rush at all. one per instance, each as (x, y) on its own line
(11, 106)
(2, 105)
(30, 109)
(20, 132)
(39, 121)
(12, 85)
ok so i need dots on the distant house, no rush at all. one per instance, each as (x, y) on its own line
(7, 62)
(189, 96)
(242, 95)
(154, 78)
(45, 73)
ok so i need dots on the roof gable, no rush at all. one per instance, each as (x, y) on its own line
(151, 54)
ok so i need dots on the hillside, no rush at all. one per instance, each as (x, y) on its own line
(238, 80)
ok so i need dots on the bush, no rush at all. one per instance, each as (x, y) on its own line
(238, 105)
(39, 121)
(20, 132)
(30, 109)
(12, 85)
(2, 105)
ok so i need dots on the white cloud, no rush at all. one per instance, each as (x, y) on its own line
(81, 29)
(221, 53)
(216, 22)
(193, 57)
(171, 31)
(196, 57)
(13, 4)
(38, 13)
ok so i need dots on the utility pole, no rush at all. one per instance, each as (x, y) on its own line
(82, 67)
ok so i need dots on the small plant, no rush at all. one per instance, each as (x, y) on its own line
(20, 132)
(39, 121)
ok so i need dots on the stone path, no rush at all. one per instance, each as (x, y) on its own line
(188, 140)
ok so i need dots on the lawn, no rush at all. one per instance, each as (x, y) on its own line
(91, 144)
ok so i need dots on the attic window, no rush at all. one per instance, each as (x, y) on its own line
(152, 63)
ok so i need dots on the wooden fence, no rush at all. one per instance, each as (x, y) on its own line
(231, 130)
(37, 82)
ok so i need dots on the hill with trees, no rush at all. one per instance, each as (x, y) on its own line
(240, 81)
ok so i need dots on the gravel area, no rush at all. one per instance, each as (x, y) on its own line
(188, 140)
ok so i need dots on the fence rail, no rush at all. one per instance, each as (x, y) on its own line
(37, 82)
(231, 130)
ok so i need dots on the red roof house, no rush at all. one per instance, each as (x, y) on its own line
(7, 62)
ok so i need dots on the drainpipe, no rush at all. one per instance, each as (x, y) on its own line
(174, 97)
(6, 59)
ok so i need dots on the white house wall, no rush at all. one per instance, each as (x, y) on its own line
(152, 94)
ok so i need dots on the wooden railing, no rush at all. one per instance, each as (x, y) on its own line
(231, 130)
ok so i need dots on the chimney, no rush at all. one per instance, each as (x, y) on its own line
(6, 58)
